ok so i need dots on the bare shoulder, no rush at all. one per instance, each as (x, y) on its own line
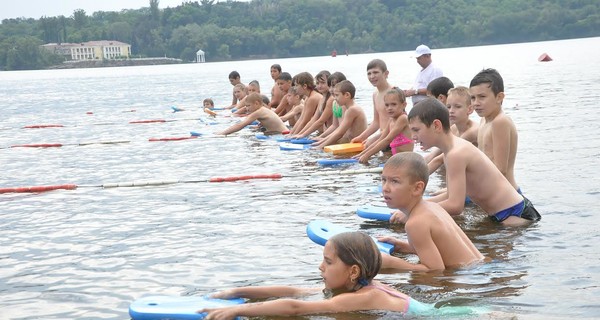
(502, 120)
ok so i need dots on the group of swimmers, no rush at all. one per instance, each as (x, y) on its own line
(479, 161)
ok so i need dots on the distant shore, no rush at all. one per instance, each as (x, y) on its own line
(115, 63)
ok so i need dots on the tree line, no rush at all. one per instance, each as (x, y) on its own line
(235, 30)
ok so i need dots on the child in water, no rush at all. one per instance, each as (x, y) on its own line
(350, 262)
(396, 133)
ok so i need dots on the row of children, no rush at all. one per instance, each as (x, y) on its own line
(484, 174)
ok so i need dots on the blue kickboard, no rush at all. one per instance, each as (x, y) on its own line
(375, 212)
(175, 307)
(286, 146)
(319, 231)
(195, 133)
(333, 162)
(302, 141)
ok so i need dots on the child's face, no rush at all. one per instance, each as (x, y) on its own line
(274, 73)
(253, 89)
(253, 106)
(207, 105)
(484, 101)
(339, 97)
(375, 75)
(393, 106)
(421, 133)
(301, 89)
(284, 85)
(335, 273)
(398, 190)
(322, 86)
(239, 93)
(458, 109)
(234, 81)
(293, 99)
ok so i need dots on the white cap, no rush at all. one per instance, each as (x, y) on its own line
(421, 50)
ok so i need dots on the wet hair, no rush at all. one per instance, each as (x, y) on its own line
(335, 78)
(431, 109)
(416, 167)
(395, 91)
(255, 84)
(358, 248)
(209, 100)
(346, 86)
(323, 75)
(377, 63)
(440, 86)
(304, 78)
(254, 97)
(276, 67)
(490, 76)
(234, 75)
(285, 76)
(461, 91)
(265, 99)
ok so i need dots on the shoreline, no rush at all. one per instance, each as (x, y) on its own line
(115, 63)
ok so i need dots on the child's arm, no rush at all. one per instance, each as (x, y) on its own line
(334, 125)
(345, 302)
(435, 163)
(501, 144)
(391, 262)
(325, 115)
(310, 105)
(280, 110)
(347, 121)
(375, 147)
(453, 201)
(295, 110)
(372, 128)
(420, 238)
(264, 292)
(241, 125)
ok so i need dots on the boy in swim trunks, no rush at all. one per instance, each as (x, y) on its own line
(260, 112)
(377, 73)
(468, 170)
(353, 120)
(432, 234)
(497, 136)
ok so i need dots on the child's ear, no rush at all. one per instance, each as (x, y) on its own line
(470, 109)
(437, 125)
(419, 187)
(500, 97)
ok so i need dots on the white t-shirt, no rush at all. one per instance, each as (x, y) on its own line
(424, 78)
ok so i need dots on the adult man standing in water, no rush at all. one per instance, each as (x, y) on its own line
(429, 72)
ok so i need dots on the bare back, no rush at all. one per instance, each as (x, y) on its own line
(355, 120)
(270, 120)
(470, 172)
(429, 222)
(498, 139)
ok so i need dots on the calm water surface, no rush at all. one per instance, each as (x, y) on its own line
(87, 253)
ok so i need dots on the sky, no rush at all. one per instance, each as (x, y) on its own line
(38, 8)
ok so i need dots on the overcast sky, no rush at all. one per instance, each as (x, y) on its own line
(38, 8)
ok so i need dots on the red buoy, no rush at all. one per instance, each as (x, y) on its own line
(148, 121)
(34, 189)
(544, 58)
(39, 126)
(173, 138)
(38, 145)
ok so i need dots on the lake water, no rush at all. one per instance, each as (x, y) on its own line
(88, 253)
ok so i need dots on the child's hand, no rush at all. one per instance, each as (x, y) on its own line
(356, 140)
(398, 217)
(218, 313)
(225, 294)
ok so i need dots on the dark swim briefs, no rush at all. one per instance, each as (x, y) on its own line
(523, 209)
